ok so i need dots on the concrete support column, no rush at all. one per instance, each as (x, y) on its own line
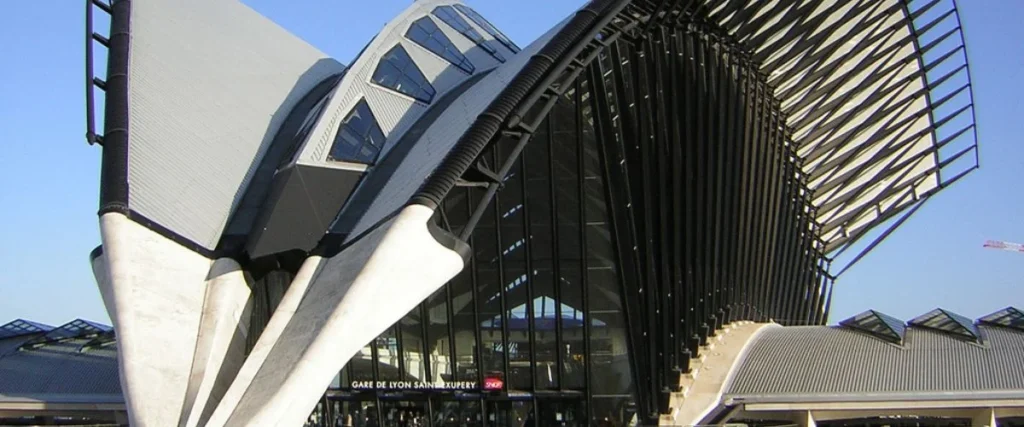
(984, 418)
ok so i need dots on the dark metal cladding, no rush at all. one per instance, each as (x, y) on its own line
(114, 168)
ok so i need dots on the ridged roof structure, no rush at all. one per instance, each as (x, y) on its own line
(78, 364)
(842, 363)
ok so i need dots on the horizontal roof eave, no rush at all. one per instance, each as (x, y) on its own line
(62, 398)
(883, 397)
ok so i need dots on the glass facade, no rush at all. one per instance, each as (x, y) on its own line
(486, 25)
(359, 139)
(454, 20)
(397, 71)
(426, 33)
(532, 332)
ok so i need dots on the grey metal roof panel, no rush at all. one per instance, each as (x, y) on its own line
(837, 363)
(12, 344)
(210, 82)
(60, 368)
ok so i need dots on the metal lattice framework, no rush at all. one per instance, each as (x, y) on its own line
(739, 145)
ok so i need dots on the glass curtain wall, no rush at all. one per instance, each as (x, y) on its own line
(532, 332)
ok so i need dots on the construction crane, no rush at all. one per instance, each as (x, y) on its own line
(1006, 246)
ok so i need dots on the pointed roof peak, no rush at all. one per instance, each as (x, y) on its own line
(949, 322)
(1010, 317)
(18, 327)
(878, 324)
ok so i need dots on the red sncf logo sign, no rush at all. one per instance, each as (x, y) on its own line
(493, 383)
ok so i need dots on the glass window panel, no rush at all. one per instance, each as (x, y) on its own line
(1009, 317)
(486, 25)
(412, 346)
(387, 356)
(878, 324)
(397, 71)
(359, 139)
(465, 327)
(485, 244)
(948, 322)
(361, 365)
(454, 20)
(575, 356)
(427, 34)
(437, 343)
(612, 411)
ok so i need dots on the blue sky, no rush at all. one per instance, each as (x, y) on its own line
(50, 175)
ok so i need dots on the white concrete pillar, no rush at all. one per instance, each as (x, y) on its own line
(271, 333)
(984, 418)
(806, 419)
(153, 289)
(220, 351)
(355, 296)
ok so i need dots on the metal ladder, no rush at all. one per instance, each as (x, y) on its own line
(92, 82)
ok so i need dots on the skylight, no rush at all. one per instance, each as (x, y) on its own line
(76, 328)
(21, 327)
(359, 139)
(1008, 317)
(397, 71)
(948, 322)
(426, 33)
(73, 329)
(454, 20)
(878, 324)
(486, 25)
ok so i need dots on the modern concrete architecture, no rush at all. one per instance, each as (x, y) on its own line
(452, 223)
(871, 370)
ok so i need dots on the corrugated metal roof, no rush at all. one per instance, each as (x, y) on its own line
(836, 363)
(63, 370)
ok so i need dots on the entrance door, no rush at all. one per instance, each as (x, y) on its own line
(511, 413)
(404, 413)
(352, 413)
(560, 412)
(457, 413)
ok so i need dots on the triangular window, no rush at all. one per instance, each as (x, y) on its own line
(359, 139)
(880, 325)
(74, 329)
(21, 327)
(545, 311)
(425, 32)
(397, 71)
(948, 322)
(454, 20)
(486, 25)
(1008, 317)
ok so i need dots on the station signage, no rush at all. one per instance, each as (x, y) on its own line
(493, 383)
(414, 385)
